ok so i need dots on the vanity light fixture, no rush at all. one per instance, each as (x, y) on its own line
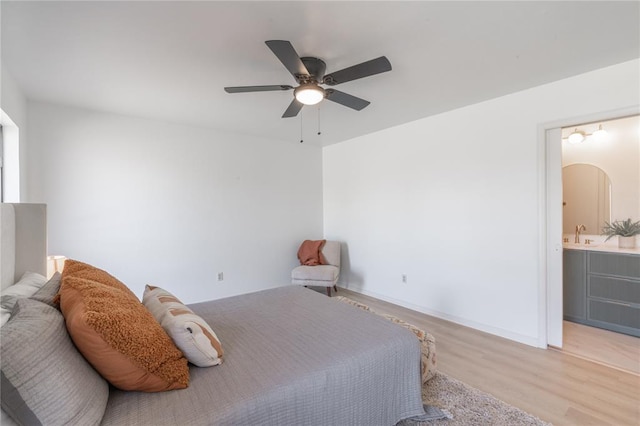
(578, 136)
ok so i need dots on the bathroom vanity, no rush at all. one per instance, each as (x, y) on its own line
(602, 288)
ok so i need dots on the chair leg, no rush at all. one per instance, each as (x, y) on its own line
(329, 291)
(335, 288)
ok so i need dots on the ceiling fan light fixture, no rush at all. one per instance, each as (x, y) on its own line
(576, 137)
(309, 94)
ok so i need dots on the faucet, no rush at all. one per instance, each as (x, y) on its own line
(578, 229)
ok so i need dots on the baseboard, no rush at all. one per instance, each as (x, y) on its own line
(496, 331)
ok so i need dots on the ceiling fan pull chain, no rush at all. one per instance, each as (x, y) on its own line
(301, 140)
(319, 132)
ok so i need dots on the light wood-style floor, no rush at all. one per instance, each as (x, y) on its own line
(606, 347)
(556, 387)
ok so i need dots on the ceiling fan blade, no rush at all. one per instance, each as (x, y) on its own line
(288, 56)
(294, 108)
(243, 89)
(346, 99)
(365, 69)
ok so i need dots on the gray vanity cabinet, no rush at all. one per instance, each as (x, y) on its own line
(602, 289)
(613, 291)
(574, 288)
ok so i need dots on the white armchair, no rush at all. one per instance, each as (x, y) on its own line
(321, 275)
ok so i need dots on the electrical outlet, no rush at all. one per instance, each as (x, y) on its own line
(404, 278)
(220, 276)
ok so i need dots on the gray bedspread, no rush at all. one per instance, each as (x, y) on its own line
(292, 357)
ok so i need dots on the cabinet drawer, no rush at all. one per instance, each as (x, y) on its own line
(618, 264)
(614, 313)
(620, 289)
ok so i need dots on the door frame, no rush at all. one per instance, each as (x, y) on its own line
(550, 220)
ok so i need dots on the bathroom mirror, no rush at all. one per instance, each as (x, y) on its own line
(586, 198)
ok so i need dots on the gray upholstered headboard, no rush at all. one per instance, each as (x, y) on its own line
(23, 241)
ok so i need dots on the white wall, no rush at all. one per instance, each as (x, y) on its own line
(172, 205)
(453, 202)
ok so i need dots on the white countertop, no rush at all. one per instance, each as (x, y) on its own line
(599, 246)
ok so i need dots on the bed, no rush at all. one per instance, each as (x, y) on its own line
(292, 357)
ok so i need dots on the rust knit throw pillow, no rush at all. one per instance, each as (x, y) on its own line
(310, 253)
(76, 269)
(117, 334)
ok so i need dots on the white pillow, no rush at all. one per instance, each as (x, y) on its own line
(5, 314)
(27, 286)
(195, 338)
(5, 420)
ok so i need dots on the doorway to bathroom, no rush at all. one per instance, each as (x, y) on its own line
(592, 178)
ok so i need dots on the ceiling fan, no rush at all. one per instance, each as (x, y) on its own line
(309, 73)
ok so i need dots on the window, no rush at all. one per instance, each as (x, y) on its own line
(9, 160)
(1, 168)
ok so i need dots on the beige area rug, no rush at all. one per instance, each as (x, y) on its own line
(469, 406)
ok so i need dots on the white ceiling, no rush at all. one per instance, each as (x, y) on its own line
(171, 60)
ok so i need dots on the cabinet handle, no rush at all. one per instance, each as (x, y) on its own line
(628, 305)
